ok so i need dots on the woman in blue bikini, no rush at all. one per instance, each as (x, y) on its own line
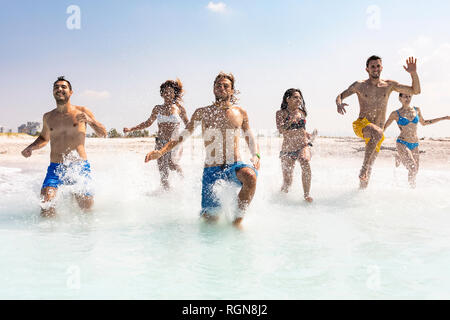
(169, 117)
(407, 141)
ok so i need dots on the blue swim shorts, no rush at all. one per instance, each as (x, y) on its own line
(227, 172)
(76, 174)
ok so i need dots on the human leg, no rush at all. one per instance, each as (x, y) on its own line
(287, 168)
(47, 207)
(163, 168)
(247, 177)
(304, 160)
(373, 136)
(407, 159)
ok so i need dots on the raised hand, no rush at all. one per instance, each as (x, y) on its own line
(341, 108)
(410, 65)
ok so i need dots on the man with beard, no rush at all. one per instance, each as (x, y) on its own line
(373, 95)
(221, 124)
(65, 128)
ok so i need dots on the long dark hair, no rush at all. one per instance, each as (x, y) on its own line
(289, 93)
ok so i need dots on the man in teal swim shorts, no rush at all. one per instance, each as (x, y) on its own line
(65, 128)
(221, 125)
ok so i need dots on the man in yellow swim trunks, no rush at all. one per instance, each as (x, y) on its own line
(373, 95)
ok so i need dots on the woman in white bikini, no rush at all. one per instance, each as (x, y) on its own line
(169, 117)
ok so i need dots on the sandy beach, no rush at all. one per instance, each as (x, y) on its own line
(434, 151)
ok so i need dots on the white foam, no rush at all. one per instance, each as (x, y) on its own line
(388, 241)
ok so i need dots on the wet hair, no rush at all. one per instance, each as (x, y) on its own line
(289, 93)
(372, 58)
(229, 76)
(61, 78)
(177, 87)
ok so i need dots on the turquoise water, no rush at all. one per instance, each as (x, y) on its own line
(387, 242)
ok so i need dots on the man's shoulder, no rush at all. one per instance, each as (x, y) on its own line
(358, 83)
(240, 109)
(390, 82)
(81, 108)
(50, 114)
(204, 109)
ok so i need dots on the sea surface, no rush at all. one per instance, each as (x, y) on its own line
(386, 242)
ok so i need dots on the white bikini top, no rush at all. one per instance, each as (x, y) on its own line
(173, 118)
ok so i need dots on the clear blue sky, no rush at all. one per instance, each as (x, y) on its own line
(125, 50)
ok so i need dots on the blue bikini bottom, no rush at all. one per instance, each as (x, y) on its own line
(411, 146)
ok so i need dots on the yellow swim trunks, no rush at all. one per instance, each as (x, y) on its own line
(358, 127)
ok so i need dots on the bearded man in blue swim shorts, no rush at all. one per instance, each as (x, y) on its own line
(65, 128)
(221, 125)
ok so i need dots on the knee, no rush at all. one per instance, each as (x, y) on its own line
(48, 193)
(248, 177)
(304, 163)
(377, 135)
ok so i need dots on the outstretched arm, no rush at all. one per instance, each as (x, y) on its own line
(183, 114)
(87, 116)
(251, 141)
(40, 142)
(346, 93)
(190, 127)
(431, 121)
(393, 116)
(411, 68)
(144, 124)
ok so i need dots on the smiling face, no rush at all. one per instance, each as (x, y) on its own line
(295, 100)
(61, 91)
(223, 89)
(168, 94)
(374, 68)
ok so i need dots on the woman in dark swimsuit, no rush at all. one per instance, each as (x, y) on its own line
(291, 120)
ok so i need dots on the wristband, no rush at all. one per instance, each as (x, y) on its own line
(257, 154)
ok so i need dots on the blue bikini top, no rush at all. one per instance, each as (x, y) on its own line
(405, 121)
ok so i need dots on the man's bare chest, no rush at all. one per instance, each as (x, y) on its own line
(65, 124)
(223, 119)
(371, 94)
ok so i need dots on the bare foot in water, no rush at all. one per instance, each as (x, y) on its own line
(363, 178)
(237, 223)
(308, 199)
(363, 181)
